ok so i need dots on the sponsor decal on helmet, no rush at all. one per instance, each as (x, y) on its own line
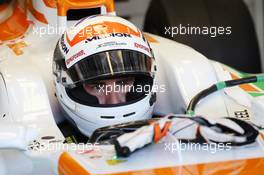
(63, 45)
(107, 36)
(111, 43)
(72, 58)
(140, 46)
(102, 29)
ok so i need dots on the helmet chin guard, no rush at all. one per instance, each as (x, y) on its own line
(89, 118)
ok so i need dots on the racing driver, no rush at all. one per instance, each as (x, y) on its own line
(100, 67)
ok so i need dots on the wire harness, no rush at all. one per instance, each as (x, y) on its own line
(219, 86)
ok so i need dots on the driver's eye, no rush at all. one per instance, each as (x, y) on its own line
(121, 82)
(95, 86)
(124, 82)
(98, 86)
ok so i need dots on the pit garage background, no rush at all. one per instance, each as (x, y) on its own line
(135, 11)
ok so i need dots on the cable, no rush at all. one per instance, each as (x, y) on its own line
(218, 86)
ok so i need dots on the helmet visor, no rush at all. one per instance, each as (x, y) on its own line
(109, 64)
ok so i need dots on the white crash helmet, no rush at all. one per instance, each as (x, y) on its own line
(101, 47)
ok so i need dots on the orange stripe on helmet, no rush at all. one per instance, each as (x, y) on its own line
(15, 26)
(101, 29)
(68, 166)
(50, 3)
(39, 16)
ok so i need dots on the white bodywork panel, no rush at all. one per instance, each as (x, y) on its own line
(27, 99)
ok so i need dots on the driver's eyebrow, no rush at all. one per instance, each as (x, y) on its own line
(124, 79)
(119, 80)
(97, 82)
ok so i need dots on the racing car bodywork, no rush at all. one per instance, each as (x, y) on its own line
(31, 141)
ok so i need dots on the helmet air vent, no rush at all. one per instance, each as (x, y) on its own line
(108, 117)
(129, 114)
